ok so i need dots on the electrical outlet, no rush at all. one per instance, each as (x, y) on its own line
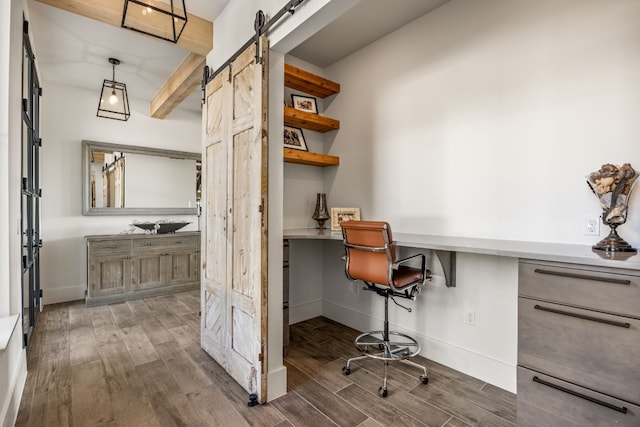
(592, 226)
(470, 317)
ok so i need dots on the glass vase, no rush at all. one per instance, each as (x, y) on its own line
(321, 214)
(612, 185)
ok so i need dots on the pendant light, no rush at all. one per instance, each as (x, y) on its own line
(113, 103)
(162, 19)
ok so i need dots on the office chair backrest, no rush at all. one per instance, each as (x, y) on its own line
(370, 251)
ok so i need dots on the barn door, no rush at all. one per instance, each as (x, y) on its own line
(234, 291)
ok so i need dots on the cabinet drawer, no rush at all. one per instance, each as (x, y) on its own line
(166, 242)
(593, 349)
(598, 288)
(547, 401)
(110, 246)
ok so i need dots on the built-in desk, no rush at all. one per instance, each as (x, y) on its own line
(560, 252)
(578, 328)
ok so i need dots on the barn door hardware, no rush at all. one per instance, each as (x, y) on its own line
(261, 27)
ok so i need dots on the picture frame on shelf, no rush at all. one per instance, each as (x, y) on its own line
(294, 138)
(339, 215)
(304, 103)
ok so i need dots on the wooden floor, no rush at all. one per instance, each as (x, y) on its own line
(139, 364)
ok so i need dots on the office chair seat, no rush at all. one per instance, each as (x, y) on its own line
(370, 257)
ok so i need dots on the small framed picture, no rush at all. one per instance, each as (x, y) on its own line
(294, 138)
(304, 103)
(339, 215)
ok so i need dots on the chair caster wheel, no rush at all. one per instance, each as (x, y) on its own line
(380, 347)
(382, 392)
(346, 370)
(424, 379)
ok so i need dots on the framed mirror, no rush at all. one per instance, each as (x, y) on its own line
(130, 180)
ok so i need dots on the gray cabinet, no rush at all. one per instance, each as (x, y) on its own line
(123, 267)
(109, 268)
(578, 345)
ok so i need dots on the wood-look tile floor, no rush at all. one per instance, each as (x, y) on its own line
(140, 364)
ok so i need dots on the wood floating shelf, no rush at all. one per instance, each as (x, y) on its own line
(304, 81)
(307, 158)
(311, 121)
(309, 83)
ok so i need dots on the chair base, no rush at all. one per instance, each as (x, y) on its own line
(396, 347)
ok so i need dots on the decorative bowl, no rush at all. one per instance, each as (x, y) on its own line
(161, 227)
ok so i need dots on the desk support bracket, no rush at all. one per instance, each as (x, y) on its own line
(447, 260)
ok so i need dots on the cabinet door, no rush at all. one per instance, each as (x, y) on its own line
(180, 267)
(109, 275)
(148, 270)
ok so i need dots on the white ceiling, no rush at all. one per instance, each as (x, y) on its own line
(365, 23)
(74, 50)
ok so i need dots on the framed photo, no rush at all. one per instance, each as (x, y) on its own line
(304, 103)
(339, 215)
(294, 138)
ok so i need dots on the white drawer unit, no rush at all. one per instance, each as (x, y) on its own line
(578, 345)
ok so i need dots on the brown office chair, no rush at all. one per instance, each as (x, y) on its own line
(370, 257)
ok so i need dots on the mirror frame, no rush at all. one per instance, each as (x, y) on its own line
(88, 146)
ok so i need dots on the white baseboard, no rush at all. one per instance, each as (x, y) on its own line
(9, 409)
(57, 295)
(485, 368)
(276, 383)
(305, 311)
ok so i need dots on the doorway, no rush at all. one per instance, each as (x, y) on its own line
(31, 191)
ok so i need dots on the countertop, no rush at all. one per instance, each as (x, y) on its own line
(543, 251)
(140, 235)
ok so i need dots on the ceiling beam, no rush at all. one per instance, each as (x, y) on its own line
(197, 36)
(184, 80)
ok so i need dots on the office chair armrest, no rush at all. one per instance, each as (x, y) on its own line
(426, 274)
(407, 259)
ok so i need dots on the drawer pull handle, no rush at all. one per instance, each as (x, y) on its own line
(582, 316)
(583, 276)
(622, 409)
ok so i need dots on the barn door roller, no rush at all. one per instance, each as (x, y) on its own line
(260, 26)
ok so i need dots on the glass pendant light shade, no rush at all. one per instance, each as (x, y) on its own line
(113, 102)
(164, 19)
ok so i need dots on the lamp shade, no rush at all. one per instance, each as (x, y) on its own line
(157, 18)
(113, 102)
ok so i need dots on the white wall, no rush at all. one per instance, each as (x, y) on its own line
(487, 116)
(68, 116)
(479, 119)
(13, 367)
(5, 34)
